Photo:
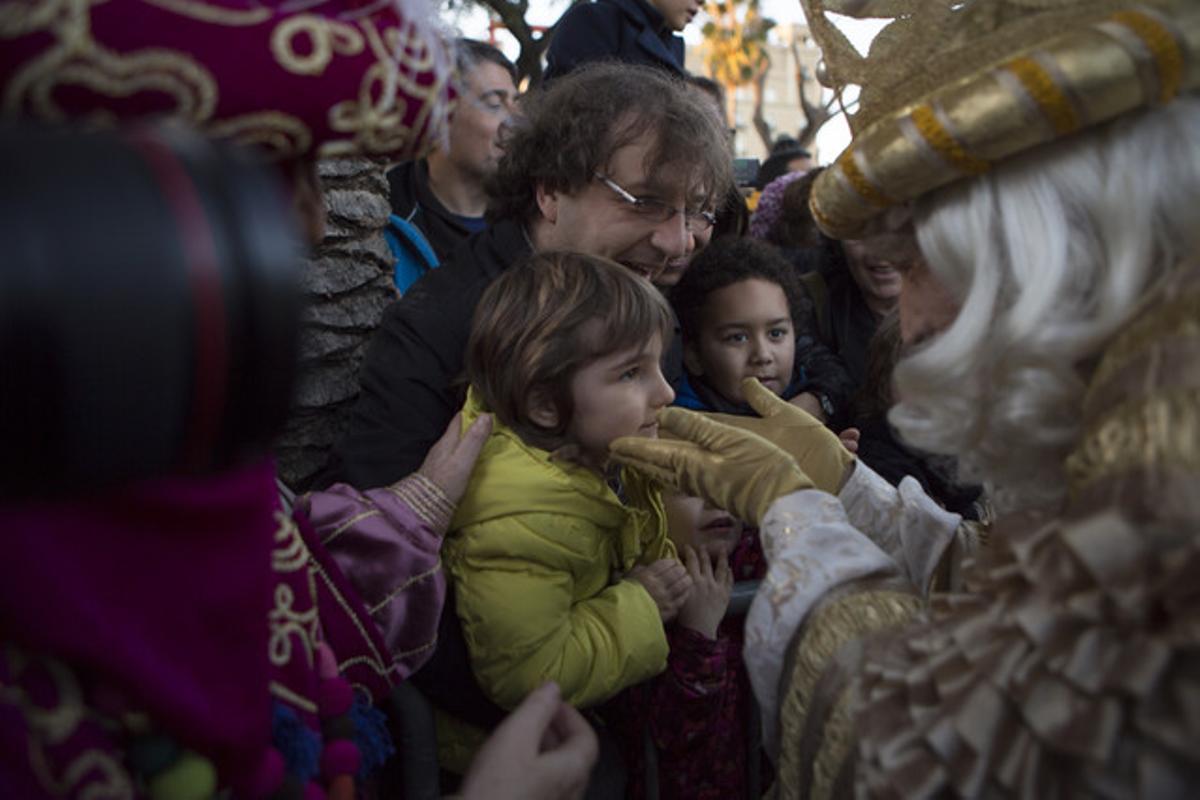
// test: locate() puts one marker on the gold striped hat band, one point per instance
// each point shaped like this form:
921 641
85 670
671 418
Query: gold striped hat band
1133 58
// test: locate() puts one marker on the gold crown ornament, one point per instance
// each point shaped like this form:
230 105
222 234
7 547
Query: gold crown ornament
951 87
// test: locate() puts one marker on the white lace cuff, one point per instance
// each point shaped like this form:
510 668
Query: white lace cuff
905 522
811 547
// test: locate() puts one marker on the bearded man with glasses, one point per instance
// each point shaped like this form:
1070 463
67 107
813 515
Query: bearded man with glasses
614 160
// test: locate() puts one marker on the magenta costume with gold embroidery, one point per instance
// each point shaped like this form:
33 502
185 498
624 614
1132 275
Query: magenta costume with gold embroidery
350 77
388 542
182 609
181 636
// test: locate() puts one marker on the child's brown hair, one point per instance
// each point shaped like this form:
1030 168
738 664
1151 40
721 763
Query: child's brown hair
542 321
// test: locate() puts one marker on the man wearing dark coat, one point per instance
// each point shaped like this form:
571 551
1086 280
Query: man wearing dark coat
643 200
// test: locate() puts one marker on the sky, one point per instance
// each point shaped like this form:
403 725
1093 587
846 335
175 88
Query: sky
833 136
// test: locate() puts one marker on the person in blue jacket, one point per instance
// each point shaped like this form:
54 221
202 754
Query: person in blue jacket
632 31
439 200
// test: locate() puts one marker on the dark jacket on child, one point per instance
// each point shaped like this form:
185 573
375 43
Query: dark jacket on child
631 31
697 713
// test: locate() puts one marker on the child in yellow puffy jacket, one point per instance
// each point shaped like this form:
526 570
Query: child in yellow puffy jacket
561 566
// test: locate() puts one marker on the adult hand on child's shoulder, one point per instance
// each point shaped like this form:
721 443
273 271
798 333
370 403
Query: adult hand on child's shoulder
451 459
544 750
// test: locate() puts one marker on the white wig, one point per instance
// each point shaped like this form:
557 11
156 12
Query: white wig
1049 255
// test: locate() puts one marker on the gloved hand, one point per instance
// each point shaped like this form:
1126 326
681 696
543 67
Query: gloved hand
817 450
731 468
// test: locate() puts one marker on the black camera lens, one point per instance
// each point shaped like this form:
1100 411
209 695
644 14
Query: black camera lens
148 307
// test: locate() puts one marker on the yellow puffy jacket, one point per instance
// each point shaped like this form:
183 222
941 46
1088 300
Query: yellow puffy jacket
536 551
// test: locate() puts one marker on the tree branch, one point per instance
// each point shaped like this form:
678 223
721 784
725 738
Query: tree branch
814 115
511 14
760 121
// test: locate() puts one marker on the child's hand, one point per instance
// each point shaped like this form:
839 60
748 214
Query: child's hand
849 439
667 582
710 593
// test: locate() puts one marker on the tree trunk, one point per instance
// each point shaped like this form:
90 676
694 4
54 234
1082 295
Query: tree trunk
529 60
348 284
760 121
730 90
815 114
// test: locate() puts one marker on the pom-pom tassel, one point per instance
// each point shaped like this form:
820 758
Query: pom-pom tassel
372 736
299 745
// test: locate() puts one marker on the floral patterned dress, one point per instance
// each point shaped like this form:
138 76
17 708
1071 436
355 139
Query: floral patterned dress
698 711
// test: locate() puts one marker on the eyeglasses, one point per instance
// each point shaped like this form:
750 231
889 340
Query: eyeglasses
659 212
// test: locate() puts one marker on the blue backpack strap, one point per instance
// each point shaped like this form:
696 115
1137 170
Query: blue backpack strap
413 254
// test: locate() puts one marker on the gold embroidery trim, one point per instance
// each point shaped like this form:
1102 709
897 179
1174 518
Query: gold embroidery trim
299 701
376 661
348 524
289 554
435 569
90 773
286 622
1053 102
419 649
404 62
858 180
1162 45
204 12
819 639
1162 430
836 739
1177 319
52 723
945 145
280 132
427 500
325 38
368 661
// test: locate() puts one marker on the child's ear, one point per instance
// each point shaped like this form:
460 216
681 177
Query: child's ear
691 360
547 203
541 409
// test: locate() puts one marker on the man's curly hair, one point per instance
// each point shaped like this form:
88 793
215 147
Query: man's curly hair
567 132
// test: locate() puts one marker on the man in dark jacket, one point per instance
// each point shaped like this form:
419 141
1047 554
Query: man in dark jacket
639 163
632 31
443 194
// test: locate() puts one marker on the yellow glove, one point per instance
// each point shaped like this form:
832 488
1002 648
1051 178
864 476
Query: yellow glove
816 449
729 467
